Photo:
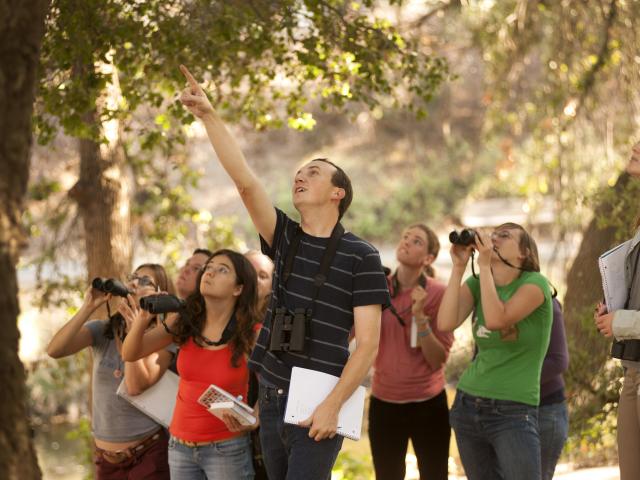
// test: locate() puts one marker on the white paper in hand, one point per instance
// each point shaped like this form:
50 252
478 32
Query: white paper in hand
220 402
308 388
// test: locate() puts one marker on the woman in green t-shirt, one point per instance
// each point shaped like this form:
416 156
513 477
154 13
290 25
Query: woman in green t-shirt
494 415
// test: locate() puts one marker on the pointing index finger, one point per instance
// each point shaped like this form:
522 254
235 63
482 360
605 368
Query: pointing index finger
187 74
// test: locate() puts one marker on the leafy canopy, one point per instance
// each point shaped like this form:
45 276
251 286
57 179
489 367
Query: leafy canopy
264 61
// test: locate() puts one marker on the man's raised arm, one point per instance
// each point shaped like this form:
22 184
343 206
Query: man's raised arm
253 194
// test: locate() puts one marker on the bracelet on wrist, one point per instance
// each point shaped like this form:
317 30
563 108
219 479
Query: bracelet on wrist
424 333
423 321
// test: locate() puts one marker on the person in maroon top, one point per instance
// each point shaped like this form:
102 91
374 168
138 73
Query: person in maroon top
408 400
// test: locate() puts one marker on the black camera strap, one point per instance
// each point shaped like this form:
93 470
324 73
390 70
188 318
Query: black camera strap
227 333
395 288
323 273
325 264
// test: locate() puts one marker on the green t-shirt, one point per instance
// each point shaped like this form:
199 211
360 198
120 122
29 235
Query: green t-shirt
508 363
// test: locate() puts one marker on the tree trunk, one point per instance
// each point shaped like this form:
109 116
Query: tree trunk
102 195
21 32
590 385
584 288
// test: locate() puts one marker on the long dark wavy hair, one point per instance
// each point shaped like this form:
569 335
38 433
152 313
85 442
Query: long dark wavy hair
116 325
193 318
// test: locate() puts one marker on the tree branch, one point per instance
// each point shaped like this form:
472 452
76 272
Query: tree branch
443 6
589 78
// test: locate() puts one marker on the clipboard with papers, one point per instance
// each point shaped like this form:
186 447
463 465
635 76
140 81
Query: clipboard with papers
612 271
308 388
158 401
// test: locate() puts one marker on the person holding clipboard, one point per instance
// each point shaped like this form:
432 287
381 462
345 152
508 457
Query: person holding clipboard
326 281
624 324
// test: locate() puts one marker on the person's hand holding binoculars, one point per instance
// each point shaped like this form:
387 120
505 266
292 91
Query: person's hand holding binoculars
460 254
484 245
94 298
132 312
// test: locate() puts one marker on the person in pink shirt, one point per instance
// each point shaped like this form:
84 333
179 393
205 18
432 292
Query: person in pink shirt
408 400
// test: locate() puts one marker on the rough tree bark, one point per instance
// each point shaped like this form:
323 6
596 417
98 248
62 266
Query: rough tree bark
102 195
21 32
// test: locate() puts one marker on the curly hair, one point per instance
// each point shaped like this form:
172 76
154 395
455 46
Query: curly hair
193 317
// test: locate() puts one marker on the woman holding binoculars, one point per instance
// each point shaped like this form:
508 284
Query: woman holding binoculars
216 330
494 415
128 444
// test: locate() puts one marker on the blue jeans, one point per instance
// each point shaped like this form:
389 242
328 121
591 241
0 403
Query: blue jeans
497 439
553 423
288 451
228 459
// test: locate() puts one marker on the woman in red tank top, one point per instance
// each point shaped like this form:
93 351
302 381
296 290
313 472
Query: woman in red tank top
216 331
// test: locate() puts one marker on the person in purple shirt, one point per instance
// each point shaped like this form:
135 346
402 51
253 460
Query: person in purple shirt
553 417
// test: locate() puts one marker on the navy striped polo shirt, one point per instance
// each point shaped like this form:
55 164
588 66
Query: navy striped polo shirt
355 279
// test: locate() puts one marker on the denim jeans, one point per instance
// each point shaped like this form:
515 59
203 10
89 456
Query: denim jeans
288 451
228 459
497 439
553 424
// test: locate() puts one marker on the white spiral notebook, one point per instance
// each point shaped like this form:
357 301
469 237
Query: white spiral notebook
308 388
612 265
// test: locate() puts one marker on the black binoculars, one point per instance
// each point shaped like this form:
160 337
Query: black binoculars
465 237
161 304
288 331
110 285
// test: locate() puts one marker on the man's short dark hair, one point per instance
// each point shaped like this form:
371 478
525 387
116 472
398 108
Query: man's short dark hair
340 179
202 251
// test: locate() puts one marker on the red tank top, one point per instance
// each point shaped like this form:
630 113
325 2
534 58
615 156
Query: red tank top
199 368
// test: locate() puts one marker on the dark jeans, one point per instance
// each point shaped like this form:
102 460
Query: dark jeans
553 422
426 423
151 464
497 439
288 451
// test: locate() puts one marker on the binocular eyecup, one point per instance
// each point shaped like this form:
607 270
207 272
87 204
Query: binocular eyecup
110 285
465 237
157 304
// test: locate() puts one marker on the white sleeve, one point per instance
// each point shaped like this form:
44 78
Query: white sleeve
626 324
